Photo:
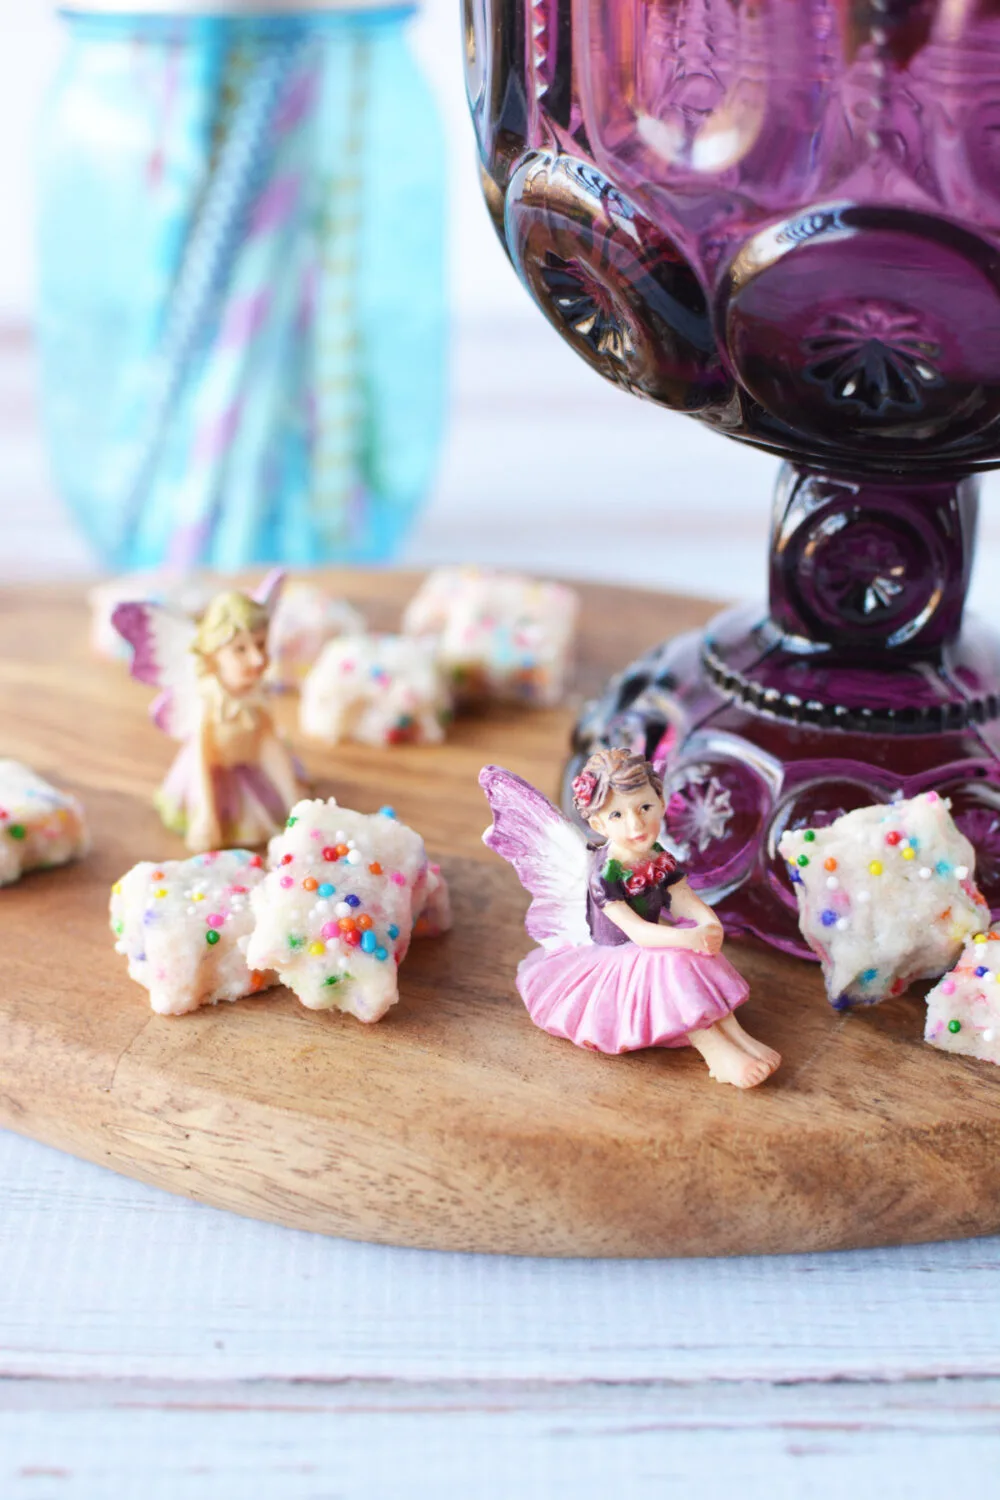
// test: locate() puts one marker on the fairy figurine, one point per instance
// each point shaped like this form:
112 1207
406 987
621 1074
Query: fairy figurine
629 955
233 781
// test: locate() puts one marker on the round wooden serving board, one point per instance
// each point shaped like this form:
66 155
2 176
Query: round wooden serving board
453 1123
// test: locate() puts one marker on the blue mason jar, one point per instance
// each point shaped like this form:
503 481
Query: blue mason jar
241 281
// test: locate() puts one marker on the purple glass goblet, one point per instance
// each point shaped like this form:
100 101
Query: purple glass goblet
782 217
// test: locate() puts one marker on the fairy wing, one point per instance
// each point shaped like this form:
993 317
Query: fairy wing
161 639
548 854
268 591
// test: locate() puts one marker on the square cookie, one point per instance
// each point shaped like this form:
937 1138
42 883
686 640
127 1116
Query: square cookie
377 689
183 925
963 1009
886 895
497 635
40 827
335 915
306 618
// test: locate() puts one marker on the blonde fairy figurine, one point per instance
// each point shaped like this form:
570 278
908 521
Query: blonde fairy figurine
233 780
629 954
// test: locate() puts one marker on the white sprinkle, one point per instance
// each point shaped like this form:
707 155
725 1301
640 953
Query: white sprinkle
351 844
832 883
354 858
340 837
988 1034
988 975
343 962
961 871
842 924
341 909
863 896
924 872
321 906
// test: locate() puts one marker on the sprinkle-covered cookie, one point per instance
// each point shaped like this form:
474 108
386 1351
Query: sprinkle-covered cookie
335 914
963 1010
886 895
306 617
40 827
379 689
497 635
183 925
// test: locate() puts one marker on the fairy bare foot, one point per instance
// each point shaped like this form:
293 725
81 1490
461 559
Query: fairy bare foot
731 1027
727 1061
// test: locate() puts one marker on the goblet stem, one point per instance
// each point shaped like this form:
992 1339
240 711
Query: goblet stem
867 568
859 681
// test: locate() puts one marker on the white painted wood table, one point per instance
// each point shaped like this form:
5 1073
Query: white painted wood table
150 1347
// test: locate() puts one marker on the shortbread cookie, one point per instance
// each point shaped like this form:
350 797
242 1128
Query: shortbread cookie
39 826
183 925
379 689
497 635
305 619
886 895
335 915
963 1010
188 593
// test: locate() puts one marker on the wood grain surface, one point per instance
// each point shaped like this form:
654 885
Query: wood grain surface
454 1123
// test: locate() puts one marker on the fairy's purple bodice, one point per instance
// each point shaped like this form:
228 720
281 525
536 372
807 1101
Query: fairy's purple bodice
645 888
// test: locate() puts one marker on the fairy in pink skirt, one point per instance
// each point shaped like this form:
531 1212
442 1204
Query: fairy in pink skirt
233 781
629 955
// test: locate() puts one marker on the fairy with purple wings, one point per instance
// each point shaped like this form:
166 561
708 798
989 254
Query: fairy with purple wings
629 955
233 780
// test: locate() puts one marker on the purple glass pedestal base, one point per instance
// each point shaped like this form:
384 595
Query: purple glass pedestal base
857 683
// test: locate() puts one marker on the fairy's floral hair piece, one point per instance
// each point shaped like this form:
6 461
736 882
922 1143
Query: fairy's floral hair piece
584 787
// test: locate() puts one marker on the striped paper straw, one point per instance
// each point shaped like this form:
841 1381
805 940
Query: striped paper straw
338 398
213 242
236 394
